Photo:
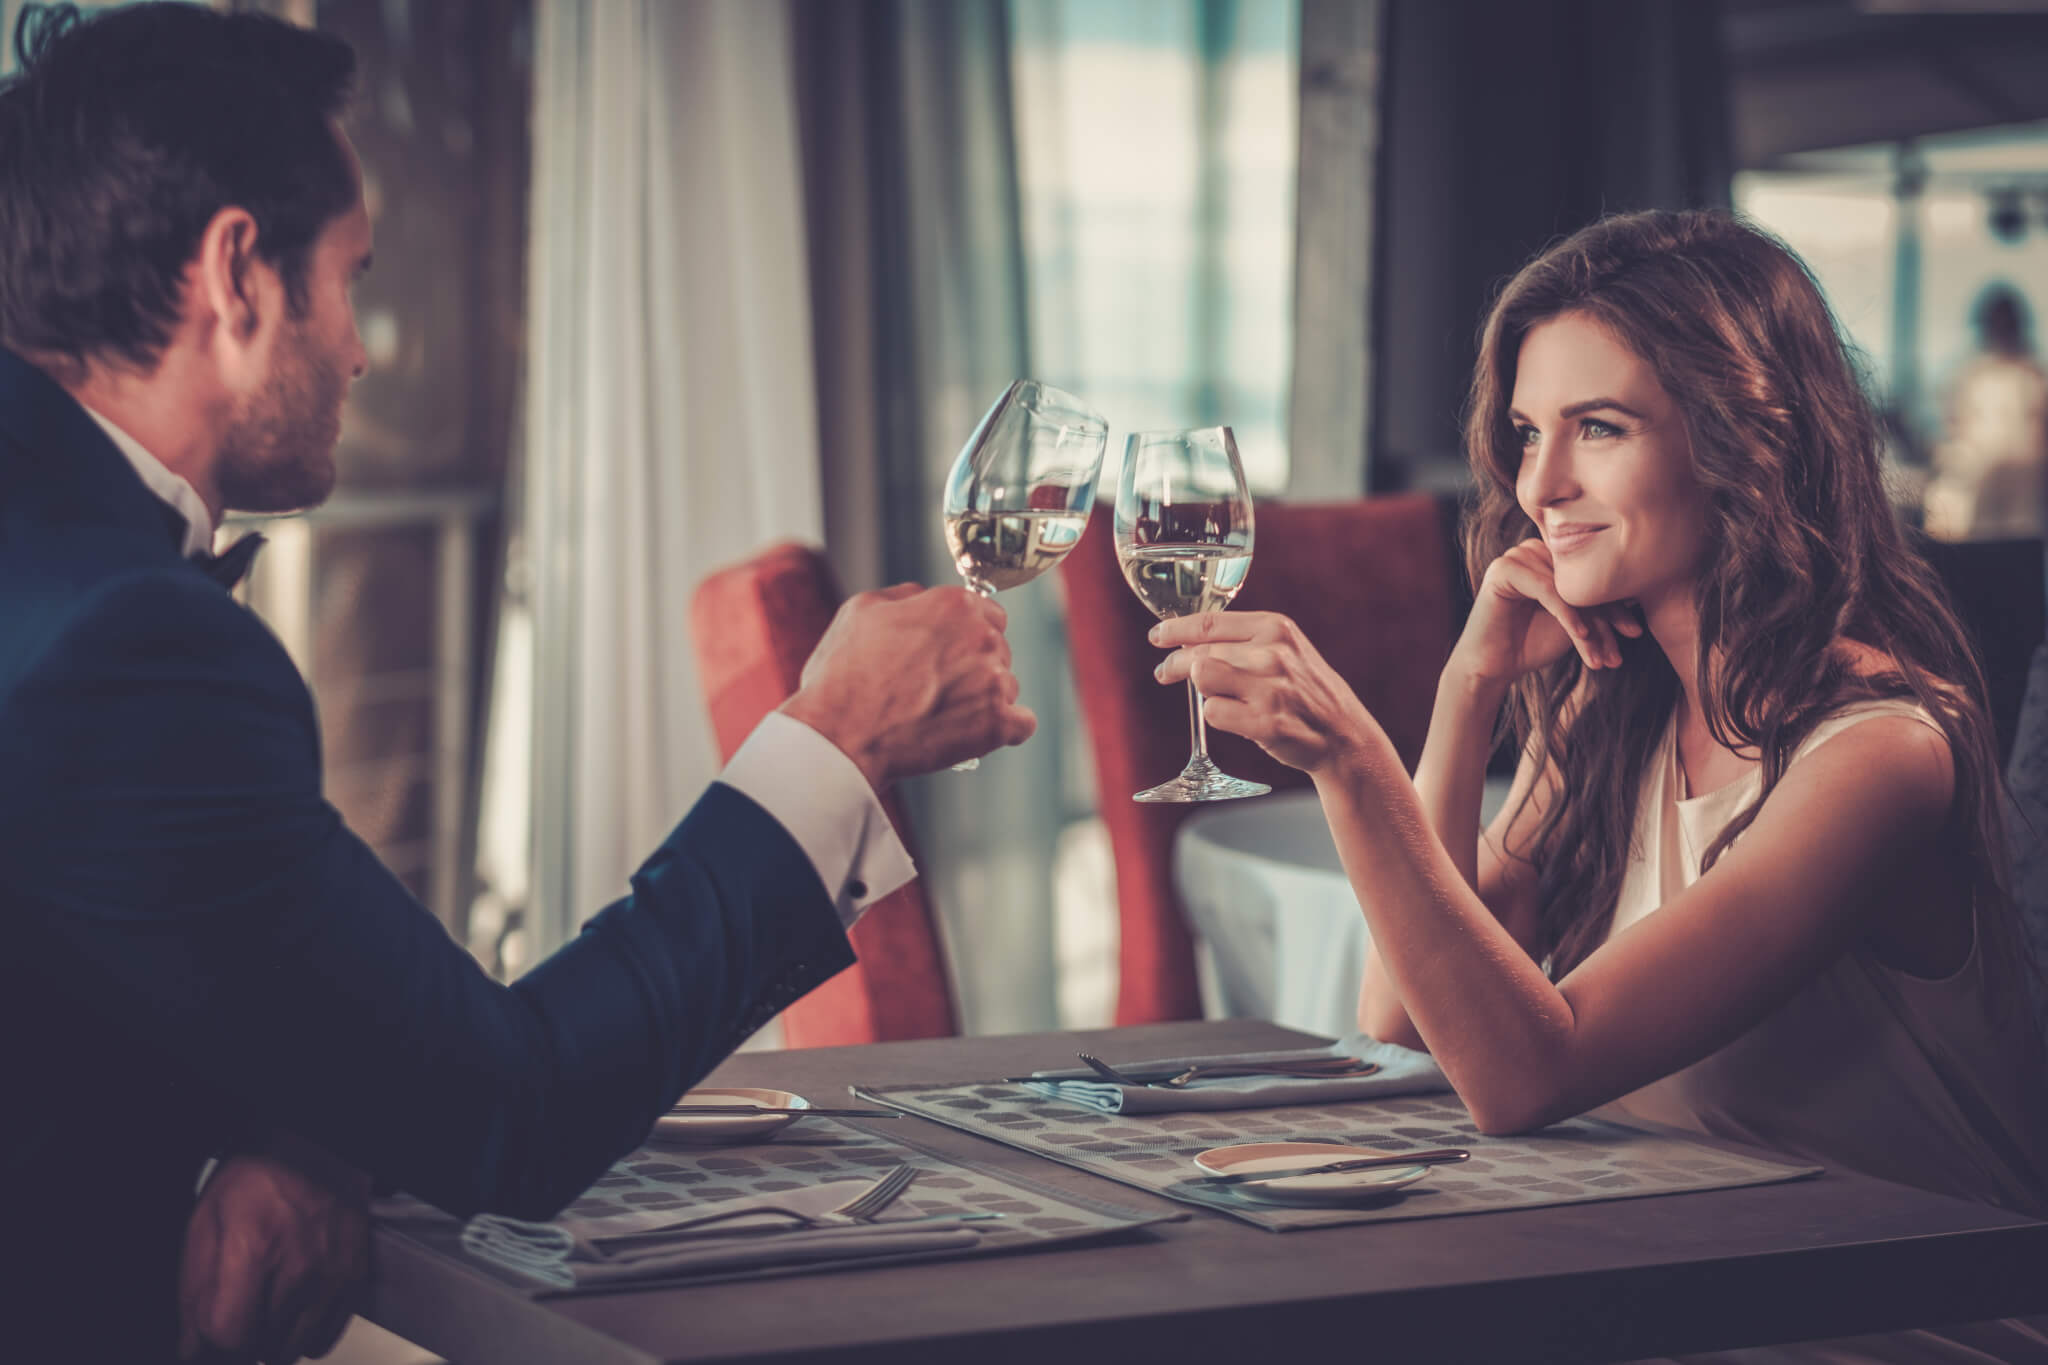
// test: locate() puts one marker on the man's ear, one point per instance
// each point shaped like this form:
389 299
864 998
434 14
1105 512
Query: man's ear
240 291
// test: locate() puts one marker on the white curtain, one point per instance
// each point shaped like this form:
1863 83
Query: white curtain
671 421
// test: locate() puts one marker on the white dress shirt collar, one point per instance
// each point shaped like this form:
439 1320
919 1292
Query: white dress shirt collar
157 477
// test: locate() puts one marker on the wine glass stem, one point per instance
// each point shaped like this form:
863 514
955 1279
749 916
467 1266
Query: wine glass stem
1198 729
979 589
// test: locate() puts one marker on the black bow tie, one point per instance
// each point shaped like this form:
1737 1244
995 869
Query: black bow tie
230 566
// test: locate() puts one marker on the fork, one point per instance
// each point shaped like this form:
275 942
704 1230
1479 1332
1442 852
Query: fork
1334 1068
862 1208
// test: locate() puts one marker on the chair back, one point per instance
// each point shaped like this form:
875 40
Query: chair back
754 624
1375 585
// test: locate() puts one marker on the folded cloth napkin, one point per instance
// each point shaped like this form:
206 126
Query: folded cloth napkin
1402 1071
574 1252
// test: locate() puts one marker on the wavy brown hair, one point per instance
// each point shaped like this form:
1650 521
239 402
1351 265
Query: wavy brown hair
1804 551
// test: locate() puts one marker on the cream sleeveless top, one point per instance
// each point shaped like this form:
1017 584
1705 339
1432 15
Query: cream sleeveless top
1866 1068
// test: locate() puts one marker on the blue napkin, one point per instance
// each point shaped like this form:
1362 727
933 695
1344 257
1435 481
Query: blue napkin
1402 1072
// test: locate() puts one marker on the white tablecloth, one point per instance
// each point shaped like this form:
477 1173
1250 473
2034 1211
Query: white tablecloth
1280 931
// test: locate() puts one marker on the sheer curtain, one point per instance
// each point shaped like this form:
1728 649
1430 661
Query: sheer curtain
670 418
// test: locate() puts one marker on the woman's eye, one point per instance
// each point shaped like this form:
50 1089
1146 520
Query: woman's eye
1527 436
1595 429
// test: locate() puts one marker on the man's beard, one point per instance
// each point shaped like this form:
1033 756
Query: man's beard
278 454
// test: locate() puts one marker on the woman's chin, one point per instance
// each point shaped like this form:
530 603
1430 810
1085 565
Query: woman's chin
1583 590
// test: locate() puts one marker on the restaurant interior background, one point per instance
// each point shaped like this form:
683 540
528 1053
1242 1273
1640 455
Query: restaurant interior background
659 282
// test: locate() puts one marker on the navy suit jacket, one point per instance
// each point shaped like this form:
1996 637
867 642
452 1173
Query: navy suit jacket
194 948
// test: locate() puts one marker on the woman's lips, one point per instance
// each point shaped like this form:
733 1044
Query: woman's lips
1562 540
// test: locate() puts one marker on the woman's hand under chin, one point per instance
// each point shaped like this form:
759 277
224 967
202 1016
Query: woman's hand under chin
1519 624
1260 677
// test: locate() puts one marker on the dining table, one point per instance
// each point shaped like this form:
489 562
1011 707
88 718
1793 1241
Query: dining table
1827 1254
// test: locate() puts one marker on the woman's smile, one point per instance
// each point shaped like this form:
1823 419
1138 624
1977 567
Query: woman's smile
1564 538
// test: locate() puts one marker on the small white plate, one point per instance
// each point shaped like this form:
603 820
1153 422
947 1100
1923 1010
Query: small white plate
712 1130
1339 1187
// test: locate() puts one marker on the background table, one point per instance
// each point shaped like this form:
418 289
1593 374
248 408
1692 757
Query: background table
1280 932
1828 1256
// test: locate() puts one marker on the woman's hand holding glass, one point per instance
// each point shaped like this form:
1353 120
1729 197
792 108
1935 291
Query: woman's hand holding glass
1519 624
1260 677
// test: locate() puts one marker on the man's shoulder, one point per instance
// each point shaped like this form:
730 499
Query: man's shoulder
97 594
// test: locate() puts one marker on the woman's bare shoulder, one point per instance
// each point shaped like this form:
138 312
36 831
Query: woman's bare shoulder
1869 664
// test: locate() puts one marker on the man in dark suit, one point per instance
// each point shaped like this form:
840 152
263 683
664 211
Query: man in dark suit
201 960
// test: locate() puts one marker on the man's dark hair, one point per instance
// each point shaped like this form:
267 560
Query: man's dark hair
124 133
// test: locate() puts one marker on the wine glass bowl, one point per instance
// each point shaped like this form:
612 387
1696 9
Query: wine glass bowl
1184 543
1018 496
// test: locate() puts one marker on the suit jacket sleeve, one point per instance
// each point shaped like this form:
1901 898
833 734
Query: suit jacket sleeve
173 857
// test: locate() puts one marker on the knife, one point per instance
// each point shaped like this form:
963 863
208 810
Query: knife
1217 1070
638 1245
1435 1156
752 1111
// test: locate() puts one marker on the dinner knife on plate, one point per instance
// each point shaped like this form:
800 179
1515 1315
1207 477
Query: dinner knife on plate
1435 1156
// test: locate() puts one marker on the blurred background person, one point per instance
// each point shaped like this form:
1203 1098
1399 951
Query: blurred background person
1988 465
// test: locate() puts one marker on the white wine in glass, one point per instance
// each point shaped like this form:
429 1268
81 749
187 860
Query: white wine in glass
1184 580
1018 496
998 550
1184 541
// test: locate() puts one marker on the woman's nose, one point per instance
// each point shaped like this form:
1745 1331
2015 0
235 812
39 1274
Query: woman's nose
1547 478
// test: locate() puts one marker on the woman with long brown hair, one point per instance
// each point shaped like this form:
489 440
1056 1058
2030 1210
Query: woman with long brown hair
1751 877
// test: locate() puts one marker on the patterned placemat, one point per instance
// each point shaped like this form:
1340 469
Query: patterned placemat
813 1152
1578 1161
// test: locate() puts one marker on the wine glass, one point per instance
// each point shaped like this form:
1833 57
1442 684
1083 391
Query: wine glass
1019 494
1184 540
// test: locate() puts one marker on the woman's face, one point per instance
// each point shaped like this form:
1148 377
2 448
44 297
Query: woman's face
1606 471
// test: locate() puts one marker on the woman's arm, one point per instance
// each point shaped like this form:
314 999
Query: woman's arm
1517 624
1449 782
1794 893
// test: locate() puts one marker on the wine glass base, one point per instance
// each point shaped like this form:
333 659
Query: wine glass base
1201 780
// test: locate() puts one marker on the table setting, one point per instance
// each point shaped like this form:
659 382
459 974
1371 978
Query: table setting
750 1182
1377 1137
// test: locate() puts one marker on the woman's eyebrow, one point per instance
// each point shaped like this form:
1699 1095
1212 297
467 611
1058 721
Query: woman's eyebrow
1595 404
1581 409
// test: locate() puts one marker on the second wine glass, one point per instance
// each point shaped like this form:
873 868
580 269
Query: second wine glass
1184 541
1019 494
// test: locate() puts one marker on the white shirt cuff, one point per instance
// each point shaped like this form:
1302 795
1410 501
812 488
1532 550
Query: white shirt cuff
818 795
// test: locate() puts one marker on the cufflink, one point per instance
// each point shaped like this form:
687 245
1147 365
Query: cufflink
856 889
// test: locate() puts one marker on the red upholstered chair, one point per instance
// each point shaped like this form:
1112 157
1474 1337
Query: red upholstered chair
754 624
1376 585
